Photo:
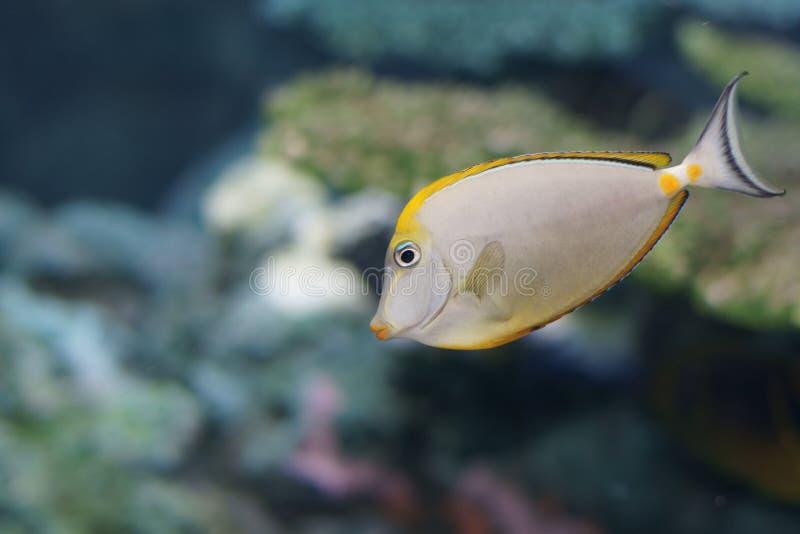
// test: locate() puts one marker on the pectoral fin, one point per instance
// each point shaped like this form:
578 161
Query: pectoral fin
486 274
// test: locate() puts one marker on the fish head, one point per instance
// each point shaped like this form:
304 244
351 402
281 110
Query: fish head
416 286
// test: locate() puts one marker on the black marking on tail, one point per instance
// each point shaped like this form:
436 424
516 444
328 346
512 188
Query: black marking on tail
727 148
723 107
722 100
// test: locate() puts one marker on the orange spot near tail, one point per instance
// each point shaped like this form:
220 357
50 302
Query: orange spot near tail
694 171
668 183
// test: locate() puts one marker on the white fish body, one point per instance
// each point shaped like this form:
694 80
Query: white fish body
506 247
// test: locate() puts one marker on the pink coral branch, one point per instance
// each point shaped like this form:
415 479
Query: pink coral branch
510 510
320 463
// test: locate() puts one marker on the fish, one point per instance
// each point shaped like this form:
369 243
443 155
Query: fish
485 256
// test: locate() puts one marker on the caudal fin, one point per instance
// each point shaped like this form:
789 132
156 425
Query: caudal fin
716 160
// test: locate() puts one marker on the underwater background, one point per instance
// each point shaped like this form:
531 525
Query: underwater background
158 157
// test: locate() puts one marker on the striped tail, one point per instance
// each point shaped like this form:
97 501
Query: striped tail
716 160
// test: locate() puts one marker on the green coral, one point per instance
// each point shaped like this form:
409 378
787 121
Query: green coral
718 55
84 446
775 13
355 131
53 484
738 255
473 34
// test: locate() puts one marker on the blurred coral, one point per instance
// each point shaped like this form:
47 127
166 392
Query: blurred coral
776 13
354 131
774 63
444 33
737 257
509 510
320 462
255 197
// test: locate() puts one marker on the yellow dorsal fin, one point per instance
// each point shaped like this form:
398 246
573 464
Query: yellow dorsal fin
405 223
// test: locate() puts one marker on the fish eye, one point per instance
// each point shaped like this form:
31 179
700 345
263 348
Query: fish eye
406 254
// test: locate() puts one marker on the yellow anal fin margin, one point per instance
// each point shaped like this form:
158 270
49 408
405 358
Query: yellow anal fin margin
672 212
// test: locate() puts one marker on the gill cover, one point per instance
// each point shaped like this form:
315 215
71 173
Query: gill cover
412 297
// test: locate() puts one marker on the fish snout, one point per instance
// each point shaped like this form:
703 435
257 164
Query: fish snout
382 331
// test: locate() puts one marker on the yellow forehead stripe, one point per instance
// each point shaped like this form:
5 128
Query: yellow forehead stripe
694 171
407 222
668 183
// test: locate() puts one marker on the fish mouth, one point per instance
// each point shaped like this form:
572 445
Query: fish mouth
384 328
382 332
